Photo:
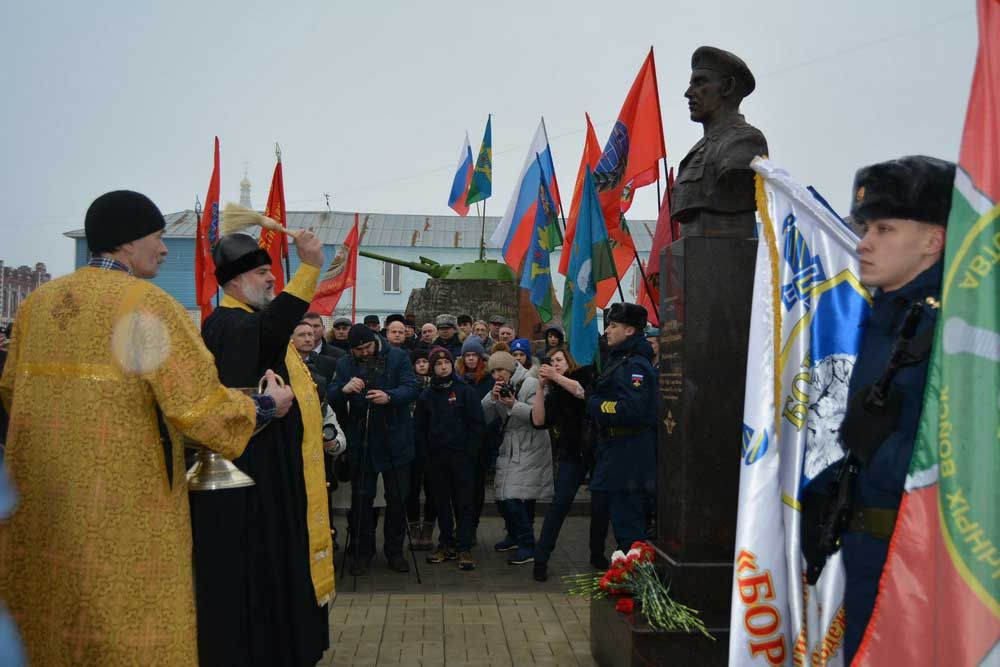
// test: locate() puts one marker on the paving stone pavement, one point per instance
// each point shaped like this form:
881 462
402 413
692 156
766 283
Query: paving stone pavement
495 615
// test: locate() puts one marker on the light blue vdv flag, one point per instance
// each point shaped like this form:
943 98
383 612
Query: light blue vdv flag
808 303
545 237
590 262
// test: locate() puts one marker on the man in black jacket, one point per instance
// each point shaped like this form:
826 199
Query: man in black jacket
449 425
371 393
338 333
447 334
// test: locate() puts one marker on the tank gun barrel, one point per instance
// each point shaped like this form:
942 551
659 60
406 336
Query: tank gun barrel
428 266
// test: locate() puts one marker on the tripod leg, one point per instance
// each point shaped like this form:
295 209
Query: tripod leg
356 517
347 546
406 525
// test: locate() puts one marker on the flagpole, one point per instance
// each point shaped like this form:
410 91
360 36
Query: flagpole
645 283
659 198
284 241
618 280
482 233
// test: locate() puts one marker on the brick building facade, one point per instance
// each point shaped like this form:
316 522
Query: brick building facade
15 286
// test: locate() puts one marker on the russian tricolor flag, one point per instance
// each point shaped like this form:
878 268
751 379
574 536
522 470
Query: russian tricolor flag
513 234
463 177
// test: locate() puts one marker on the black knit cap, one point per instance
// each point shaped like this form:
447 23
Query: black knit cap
915 187
235 254
418 353
438 352
360 334
120 217
725 63
630 314
395 317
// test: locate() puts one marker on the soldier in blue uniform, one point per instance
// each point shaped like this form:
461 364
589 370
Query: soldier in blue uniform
623 408
903 206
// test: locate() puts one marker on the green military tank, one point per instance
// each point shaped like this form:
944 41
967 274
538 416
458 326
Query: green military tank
482 289
481 269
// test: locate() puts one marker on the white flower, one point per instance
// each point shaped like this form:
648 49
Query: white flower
633 552
617 556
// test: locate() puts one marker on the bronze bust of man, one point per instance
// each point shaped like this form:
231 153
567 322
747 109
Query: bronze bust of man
714 191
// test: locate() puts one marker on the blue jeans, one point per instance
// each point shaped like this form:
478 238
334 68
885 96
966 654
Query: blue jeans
519 518
397 483
625 509
569 475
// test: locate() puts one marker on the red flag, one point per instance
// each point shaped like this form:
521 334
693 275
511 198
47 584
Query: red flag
343 273
591 154
205 285
270 240
663 236
630 160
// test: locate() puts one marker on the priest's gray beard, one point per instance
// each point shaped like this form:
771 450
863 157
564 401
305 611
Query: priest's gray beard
257 297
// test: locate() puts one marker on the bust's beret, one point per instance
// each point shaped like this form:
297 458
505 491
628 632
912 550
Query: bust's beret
726 63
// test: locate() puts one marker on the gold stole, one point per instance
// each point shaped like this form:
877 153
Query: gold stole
314 476
302 285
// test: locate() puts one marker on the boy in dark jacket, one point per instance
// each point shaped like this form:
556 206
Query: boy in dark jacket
448 423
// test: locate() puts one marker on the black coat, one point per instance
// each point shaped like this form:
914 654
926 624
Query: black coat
331 351
453 345
322 368
390 426
880 484
566 418
625 396
448 417
251 549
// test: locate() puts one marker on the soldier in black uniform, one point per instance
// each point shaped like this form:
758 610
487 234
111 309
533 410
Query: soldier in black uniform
714 192
623 408
903 206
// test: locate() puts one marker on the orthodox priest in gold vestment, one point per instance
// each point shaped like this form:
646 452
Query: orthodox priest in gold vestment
104 375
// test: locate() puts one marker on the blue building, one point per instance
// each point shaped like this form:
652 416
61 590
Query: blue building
382 288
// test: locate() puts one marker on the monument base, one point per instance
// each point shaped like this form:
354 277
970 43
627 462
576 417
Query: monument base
626 640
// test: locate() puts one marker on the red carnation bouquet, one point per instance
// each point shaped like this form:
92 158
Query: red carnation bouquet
633 579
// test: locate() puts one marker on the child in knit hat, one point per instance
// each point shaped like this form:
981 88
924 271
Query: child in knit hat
449 425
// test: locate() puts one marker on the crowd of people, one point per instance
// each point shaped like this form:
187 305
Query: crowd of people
433 412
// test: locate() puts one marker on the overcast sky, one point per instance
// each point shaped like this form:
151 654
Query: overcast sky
370 101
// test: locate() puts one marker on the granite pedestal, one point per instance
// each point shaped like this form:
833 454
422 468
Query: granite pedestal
706 287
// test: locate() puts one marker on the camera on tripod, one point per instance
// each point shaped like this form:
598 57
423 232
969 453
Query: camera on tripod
369 370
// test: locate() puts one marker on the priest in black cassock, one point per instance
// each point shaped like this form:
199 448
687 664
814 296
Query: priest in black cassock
263 557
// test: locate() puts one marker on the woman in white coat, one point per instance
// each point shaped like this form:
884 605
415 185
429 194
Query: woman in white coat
524 463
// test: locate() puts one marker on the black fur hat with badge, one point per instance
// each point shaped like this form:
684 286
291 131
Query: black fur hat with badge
915 187
629 314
